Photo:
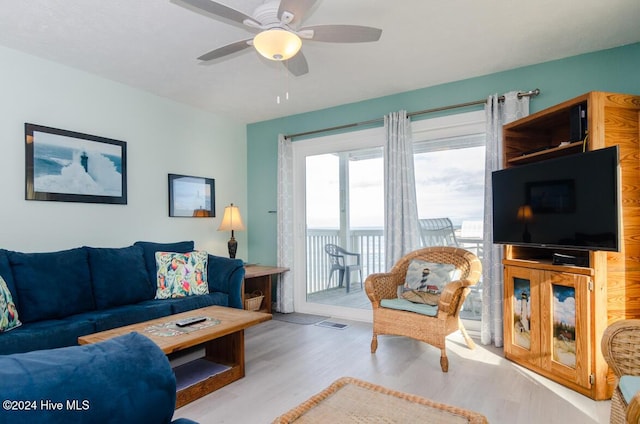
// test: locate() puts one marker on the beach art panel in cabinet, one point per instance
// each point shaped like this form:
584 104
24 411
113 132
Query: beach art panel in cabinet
564 325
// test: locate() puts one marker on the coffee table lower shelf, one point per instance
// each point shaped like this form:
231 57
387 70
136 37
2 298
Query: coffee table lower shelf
222 364
200 377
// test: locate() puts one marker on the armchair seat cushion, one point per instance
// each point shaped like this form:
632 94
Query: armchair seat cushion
405 305
629 386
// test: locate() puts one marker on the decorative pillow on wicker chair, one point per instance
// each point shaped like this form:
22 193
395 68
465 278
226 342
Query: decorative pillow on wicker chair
8 312
181 274
425 280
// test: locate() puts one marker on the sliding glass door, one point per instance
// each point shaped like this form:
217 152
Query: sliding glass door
342 221
339 207
450 189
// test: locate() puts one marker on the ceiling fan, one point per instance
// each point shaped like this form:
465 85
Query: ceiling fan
279 34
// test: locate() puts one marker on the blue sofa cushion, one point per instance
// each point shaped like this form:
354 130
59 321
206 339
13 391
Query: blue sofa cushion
52 285
226 275
7 274
150 249
46 334
128 314
189 303
119 276
126 379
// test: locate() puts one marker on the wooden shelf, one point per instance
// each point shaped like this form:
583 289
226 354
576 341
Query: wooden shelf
551 152
548 266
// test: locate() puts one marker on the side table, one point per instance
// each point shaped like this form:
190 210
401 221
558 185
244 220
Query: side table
258 278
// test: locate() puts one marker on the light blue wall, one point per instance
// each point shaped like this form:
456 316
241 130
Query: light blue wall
162 137
615 70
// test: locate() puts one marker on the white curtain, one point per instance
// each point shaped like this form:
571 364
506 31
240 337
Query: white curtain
284 301
497 114
401 210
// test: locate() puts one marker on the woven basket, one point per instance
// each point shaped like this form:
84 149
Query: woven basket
252 301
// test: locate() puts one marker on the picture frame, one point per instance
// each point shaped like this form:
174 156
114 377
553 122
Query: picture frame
191 197
558 196
68 166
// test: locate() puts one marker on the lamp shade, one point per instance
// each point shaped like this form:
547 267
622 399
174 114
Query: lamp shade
277 44
525 213
231 221
201 213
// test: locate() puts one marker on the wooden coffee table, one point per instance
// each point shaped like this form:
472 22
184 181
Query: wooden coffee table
221 336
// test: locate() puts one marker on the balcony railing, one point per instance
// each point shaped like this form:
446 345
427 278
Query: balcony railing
369 243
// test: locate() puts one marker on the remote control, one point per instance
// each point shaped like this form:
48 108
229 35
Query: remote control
190 321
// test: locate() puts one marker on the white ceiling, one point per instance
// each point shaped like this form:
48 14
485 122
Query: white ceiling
153 45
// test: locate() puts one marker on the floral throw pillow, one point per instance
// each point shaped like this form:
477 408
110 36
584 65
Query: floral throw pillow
181 274
425 280
8 312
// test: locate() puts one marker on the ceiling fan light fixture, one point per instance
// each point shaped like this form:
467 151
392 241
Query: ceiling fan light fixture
277 44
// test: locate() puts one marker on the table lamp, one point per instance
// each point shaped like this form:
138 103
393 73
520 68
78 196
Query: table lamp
231 221
525 213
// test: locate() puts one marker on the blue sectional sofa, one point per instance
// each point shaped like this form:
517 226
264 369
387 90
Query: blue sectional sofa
126 379
62 295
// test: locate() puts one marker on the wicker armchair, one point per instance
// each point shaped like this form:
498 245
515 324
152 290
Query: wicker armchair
621 349
429 329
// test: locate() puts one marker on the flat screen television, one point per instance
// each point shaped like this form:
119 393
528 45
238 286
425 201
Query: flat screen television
571 202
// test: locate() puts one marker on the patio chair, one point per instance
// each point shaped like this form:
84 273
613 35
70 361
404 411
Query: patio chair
471 237
339 262
621 349
431 324
437 232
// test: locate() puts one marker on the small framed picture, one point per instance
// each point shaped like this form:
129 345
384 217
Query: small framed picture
192 197
68 166
558 196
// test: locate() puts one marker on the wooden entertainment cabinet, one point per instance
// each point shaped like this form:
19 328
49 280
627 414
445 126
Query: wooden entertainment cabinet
607 288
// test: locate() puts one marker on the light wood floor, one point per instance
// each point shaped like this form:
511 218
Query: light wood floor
287 363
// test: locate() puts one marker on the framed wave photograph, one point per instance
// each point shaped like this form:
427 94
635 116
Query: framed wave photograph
192 197
68 166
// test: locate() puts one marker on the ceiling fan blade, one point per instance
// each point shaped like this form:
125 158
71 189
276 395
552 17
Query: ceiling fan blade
343 33
219 10
297 65
226 50
297 8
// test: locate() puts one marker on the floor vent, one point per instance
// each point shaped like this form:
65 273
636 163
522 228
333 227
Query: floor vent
331 324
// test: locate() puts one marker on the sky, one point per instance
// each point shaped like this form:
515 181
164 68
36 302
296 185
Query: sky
449 183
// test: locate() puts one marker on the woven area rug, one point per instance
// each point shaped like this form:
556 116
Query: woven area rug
298 318
349 400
